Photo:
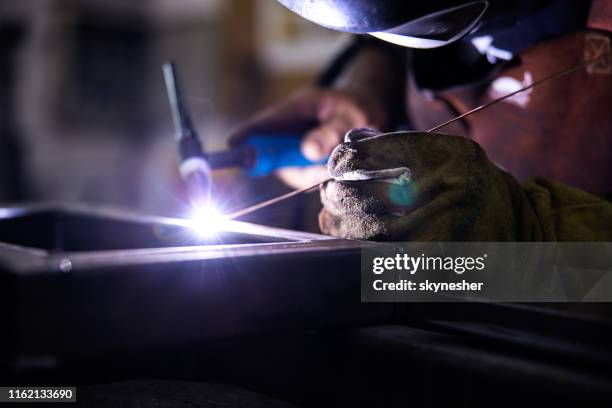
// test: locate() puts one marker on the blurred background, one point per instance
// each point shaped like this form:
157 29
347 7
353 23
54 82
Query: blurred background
84 115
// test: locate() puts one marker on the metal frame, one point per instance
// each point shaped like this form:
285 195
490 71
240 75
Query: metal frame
174 295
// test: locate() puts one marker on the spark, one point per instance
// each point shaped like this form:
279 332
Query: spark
207 220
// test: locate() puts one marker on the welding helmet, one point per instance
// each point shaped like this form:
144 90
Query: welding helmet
412 23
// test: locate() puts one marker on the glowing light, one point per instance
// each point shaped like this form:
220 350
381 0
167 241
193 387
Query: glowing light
207 220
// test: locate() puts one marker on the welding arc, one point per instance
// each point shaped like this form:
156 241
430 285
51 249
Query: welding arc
283 197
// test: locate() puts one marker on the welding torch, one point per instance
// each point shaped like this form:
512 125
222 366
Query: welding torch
260 155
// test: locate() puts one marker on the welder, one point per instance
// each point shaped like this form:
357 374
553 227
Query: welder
425 62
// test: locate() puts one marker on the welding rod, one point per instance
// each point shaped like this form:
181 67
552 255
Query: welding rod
283 197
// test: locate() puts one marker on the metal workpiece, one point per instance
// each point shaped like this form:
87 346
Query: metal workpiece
111 278
110 289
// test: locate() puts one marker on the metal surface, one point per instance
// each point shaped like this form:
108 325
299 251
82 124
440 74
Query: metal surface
88 290
80 272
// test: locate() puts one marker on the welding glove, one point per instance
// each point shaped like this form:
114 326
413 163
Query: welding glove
412 186
323 116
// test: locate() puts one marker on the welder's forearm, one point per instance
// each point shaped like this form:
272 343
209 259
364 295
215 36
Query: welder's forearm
376 77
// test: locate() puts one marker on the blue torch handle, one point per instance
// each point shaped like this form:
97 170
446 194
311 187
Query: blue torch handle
273 152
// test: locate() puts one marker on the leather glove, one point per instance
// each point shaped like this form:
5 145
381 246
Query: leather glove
412 186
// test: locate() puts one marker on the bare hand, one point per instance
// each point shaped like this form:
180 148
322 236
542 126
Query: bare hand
324 115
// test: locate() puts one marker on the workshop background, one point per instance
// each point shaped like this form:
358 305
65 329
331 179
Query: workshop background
85 117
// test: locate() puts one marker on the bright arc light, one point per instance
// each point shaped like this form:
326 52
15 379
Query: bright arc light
207 220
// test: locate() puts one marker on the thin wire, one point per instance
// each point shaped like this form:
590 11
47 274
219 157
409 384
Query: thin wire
271 201
283 197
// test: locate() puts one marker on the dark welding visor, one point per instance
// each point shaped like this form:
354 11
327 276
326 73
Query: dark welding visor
410 23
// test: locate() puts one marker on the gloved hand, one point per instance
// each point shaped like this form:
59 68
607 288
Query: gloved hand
411 186
324 116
